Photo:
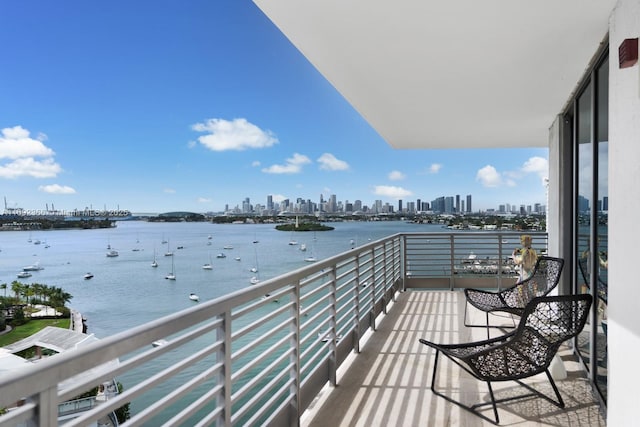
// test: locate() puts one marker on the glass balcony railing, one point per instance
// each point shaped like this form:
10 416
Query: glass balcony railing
261 355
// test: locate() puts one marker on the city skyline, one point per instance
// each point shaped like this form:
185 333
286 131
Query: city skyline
208 103
442 204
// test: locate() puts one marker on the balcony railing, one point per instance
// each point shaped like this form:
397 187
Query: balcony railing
261 355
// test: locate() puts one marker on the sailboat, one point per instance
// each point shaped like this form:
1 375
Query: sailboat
208 265
255 279
168 253
311 257
172 275
154 263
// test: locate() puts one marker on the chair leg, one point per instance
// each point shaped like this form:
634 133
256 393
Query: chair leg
469 325
493 401
433 376
471 409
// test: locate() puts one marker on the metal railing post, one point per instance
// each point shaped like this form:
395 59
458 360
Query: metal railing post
333 359
295 359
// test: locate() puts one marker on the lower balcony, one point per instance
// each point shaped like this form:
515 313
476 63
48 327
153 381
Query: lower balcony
333 343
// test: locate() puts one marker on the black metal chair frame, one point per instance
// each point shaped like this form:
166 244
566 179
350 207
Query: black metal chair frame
513 300
602 285
545 324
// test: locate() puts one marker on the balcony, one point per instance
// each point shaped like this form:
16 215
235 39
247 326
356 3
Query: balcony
272 353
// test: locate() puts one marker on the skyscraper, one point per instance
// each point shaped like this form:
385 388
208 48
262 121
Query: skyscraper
469 203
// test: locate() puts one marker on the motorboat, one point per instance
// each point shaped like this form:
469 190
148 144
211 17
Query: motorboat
228 247
254 280
194 297
221 255
88 276
24 274
33 267
303 247
112 253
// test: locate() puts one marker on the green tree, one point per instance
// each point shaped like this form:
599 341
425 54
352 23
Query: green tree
18 289
4 286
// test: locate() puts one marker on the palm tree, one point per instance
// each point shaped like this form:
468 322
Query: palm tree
18 289
4 286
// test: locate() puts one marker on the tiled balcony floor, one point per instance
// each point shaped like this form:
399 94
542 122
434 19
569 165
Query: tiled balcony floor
388 384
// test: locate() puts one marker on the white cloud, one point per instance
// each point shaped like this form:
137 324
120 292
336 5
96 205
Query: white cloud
278 198
391 191
28 166
489 177
57 189
237 134
169 190
21 151
329 162
203 200
255 163
396 176
537 165
435 168
293 165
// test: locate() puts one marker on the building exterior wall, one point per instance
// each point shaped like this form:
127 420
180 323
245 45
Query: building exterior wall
624 226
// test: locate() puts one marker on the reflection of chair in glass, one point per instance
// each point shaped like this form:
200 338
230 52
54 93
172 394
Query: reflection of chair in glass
545 324
513 300
603 288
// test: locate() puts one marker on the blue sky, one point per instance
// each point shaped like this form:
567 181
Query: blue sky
155 106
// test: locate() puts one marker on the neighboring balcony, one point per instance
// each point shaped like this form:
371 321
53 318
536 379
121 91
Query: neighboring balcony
271 354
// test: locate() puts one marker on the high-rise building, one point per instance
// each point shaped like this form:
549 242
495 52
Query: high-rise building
400 205
448 204
458 203
469 203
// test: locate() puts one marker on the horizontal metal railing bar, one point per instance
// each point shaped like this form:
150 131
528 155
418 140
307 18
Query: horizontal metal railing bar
258 322
311 341
262 411
210 418
274 330
253 382
18 415
311 293
312 358
265 391
172 397
258 302
240 332
197 405
313 320
346 273
350 283
319 302
150 382
137 360
241 372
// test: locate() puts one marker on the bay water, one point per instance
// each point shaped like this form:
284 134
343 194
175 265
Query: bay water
126 291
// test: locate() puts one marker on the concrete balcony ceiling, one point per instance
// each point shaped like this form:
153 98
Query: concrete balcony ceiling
449 74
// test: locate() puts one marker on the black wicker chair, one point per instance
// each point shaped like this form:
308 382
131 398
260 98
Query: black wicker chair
545 324
513 300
